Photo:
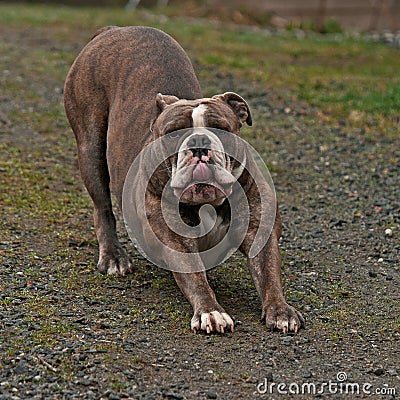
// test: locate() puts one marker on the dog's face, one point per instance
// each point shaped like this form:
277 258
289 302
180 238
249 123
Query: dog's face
207 160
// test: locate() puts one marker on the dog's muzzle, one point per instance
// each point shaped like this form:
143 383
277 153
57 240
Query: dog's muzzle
202 174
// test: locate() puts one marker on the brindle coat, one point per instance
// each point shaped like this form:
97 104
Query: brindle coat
112 103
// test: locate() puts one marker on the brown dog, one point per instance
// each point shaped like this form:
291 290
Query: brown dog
115 107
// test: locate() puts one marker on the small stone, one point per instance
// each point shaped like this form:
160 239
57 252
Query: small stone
90 394
86 382
287 339
379 372
211 394
307 374
173 395
388 232
372 274
389 277
380 260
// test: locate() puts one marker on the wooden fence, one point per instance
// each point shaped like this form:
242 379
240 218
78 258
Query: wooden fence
359 15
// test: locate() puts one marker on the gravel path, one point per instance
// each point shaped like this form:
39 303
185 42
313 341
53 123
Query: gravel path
69 333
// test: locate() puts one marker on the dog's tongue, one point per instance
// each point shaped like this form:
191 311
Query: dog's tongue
202 172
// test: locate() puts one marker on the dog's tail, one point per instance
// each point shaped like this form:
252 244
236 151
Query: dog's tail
103 29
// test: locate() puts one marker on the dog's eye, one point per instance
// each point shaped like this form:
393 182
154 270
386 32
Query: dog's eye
177 134
220 132
173 135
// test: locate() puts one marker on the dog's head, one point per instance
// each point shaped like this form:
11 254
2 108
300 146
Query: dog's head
207 160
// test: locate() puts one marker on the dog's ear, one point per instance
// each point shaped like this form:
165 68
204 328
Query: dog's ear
238 105
163 101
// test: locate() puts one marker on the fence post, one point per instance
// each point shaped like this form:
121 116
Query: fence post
321 15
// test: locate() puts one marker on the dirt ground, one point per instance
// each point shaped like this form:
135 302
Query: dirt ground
70 333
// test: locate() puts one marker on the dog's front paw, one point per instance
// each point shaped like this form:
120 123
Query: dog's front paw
115 262
212 322
283 317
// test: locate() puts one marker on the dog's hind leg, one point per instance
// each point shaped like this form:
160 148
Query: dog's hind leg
113 259
88 120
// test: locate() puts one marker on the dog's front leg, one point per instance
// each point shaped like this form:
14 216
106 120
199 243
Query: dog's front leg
265 269
182 256
208 316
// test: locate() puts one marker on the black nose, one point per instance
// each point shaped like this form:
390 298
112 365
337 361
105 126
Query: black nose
199 145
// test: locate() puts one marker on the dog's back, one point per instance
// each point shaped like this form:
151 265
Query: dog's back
111 89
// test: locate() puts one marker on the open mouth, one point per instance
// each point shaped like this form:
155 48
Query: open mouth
205 183
201 193
201 175
202 187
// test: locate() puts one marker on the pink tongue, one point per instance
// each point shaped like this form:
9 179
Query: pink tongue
202 172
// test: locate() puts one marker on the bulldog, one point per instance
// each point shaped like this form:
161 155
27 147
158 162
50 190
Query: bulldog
130 86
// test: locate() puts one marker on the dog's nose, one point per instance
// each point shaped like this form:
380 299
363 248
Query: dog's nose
199 145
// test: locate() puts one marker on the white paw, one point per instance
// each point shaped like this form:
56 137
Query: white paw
118 264
212 322
283 317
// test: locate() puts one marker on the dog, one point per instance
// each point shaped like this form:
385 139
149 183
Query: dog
128 87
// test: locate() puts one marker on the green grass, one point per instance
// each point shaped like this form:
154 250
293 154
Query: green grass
32 190
334 76
384 100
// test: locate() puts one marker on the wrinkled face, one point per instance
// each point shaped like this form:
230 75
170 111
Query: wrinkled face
203 172
202 169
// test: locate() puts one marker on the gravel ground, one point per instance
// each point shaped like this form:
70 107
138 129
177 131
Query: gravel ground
69 333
